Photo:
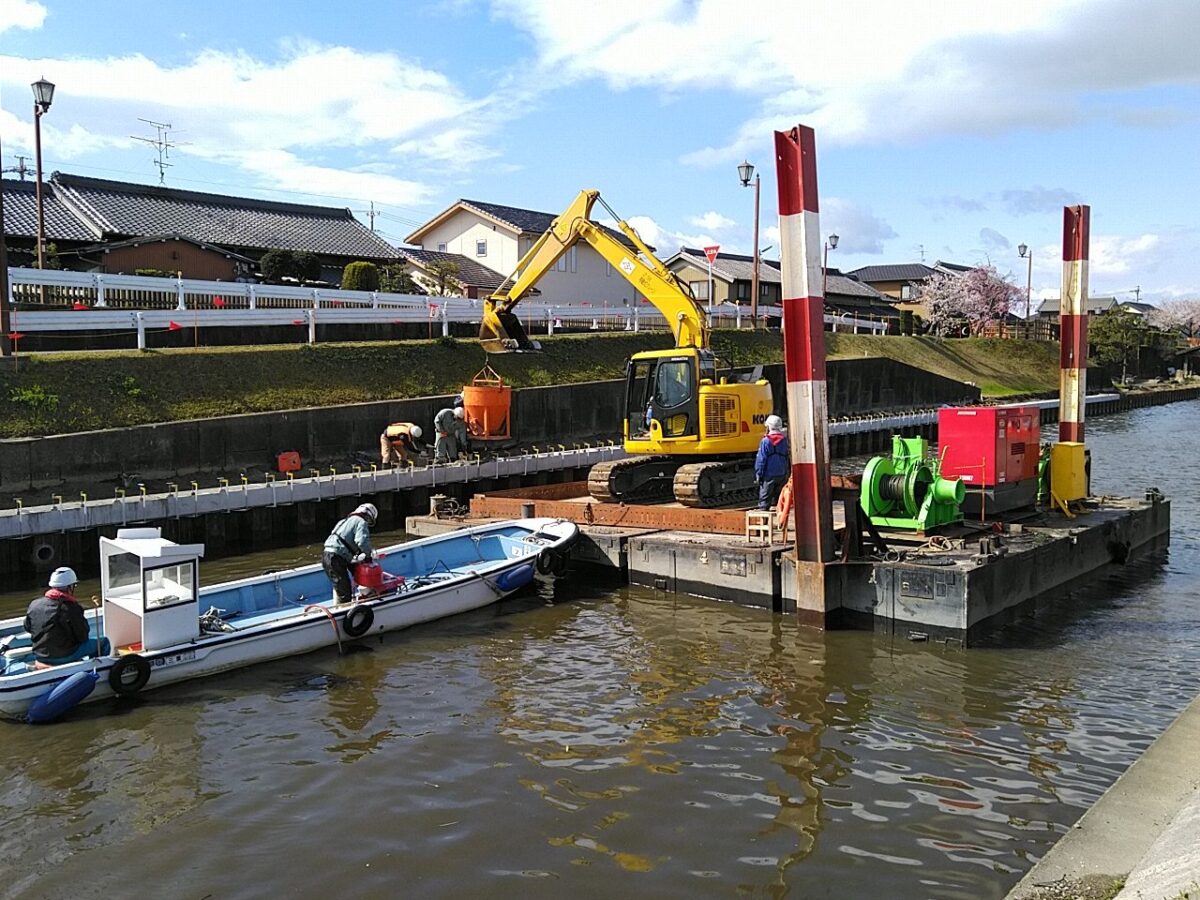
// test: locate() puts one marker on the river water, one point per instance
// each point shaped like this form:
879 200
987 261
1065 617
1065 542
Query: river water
600 741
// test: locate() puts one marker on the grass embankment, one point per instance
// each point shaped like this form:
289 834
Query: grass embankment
998 368
68 392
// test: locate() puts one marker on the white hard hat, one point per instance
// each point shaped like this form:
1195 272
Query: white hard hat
459 412
63 577
774 423
367 511
415 431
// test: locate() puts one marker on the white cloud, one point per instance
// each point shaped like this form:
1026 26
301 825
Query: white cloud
858 229
21 14
275 118
665 241
1117 255
945 67
712 221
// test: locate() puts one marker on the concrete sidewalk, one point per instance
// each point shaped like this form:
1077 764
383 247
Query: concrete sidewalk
1144 830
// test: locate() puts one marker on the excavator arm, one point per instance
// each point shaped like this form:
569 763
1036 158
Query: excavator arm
501 329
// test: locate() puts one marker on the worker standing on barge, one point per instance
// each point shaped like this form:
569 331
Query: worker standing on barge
350 539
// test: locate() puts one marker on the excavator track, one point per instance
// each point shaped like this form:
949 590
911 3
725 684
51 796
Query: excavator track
636 479
713 483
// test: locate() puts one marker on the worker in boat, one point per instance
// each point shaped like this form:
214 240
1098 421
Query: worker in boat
398 442
350 541
57 625
451 431
773 464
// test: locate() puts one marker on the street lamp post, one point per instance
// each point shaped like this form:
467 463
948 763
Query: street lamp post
830 244
1024 249
745 173
43 95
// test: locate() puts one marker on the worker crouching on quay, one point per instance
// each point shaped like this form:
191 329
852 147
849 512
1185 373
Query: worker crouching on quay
399 442
350 541
451 434
773 464
57 624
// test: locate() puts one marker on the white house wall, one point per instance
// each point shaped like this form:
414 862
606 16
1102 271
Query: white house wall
586 278
460 233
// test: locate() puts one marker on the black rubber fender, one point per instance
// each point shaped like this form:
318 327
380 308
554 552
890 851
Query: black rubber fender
560 563
545 562
129 674
358 620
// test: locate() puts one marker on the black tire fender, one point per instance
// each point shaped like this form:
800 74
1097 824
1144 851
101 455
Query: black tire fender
129 674
358 620
560 563
545 562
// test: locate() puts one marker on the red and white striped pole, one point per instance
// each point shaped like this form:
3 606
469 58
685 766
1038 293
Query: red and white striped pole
804 361
1072 321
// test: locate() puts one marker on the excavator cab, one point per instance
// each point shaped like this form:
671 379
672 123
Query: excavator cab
661 397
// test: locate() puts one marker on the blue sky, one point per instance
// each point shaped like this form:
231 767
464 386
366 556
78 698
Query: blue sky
945 130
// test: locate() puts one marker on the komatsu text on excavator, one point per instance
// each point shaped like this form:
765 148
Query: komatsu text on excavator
691 427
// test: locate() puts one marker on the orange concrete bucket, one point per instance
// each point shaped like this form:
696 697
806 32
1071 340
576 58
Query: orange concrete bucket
487 402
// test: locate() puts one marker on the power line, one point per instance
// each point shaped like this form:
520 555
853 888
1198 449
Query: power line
231 187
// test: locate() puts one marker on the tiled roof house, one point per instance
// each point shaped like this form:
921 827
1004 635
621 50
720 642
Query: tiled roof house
495 236
92 214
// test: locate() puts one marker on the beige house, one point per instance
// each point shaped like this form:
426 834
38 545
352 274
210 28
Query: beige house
733 276
498 236
903 281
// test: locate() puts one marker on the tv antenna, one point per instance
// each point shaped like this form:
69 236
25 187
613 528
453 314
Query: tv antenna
162 143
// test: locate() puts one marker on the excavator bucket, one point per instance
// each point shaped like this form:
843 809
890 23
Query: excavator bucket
502 332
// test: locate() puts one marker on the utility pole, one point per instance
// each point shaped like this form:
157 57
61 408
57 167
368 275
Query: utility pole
20 168
5 322
372 214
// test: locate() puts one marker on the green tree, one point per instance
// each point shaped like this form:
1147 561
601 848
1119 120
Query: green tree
442 277
275 265
306 266
1116 338
395 278
360 276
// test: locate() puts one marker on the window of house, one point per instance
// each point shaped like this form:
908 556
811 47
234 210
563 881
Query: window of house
441 246
906 292
763 291
573 253
481 248
561 265
743 290
699 289
608 269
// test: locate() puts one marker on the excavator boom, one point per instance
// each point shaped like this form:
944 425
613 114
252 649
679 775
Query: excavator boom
501 330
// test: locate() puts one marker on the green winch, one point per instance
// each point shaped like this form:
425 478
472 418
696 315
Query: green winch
907 490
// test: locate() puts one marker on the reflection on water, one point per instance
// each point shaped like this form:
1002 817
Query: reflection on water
613 740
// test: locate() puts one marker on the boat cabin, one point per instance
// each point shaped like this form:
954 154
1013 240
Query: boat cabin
150 589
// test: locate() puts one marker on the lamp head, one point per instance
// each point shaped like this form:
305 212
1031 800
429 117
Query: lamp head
1022 249
833 239
43 93
745 173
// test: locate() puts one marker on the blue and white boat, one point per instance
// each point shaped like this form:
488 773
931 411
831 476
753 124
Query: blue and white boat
164 628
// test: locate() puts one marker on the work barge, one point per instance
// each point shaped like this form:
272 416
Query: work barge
954 586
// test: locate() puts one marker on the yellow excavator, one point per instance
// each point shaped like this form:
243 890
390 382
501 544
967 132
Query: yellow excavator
690 426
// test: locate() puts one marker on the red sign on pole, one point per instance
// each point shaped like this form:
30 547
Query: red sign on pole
711 253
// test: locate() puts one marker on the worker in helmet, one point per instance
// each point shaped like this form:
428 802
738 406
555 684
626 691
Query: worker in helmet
450 433
773 464
350 541
57 625
398 442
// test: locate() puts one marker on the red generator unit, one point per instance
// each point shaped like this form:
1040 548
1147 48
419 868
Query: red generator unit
995 451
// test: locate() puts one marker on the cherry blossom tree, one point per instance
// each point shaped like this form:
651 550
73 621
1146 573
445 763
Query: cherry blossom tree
1178 315
964 304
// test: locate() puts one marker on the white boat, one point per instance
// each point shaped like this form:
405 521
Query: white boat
164 628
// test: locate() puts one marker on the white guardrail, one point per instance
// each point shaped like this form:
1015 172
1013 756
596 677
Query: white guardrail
93 301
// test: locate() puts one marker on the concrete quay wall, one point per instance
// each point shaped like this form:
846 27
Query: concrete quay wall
558 414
